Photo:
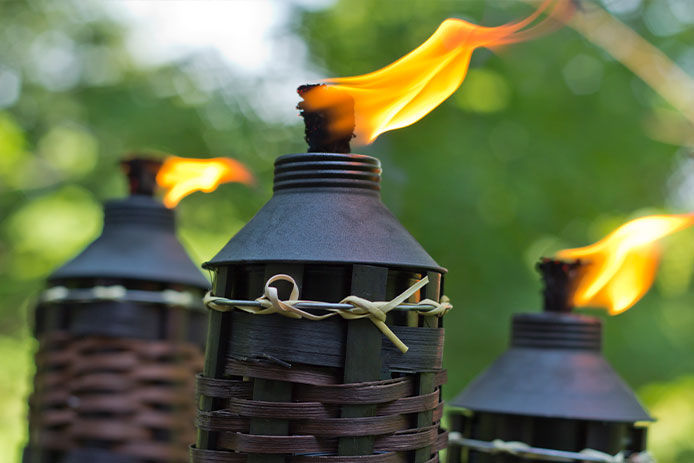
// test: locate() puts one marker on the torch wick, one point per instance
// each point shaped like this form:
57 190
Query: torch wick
142 175
558 277
328 118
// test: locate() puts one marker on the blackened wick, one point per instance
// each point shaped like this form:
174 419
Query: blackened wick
320 133
558 277
142 174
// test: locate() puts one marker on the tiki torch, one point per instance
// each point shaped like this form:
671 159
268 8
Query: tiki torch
121 331
324 342
552 396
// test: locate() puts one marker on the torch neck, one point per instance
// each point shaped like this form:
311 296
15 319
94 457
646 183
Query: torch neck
138 210
553 330
327 170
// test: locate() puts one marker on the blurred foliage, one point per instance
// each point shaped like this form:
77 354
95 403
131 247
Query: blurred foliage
670 438
547 144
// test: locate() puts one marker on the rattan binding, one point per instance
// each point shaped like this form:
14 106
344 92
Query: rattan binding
314 415
125 395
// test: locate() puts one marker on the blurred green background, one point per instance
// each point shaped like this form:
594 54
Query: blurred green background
547 144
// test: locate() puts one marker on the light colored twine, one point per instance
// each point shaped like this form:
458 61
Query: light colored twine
376 311
58 294
523 450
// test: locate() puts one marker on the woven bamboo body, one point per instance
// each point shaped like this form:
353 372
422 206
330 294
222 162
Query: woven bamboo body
131 397
282 392
114 381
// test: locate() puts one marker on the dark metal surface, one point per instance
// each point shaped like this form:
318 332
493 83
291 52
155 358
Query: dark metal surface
138 242
550 330
554 369
326 209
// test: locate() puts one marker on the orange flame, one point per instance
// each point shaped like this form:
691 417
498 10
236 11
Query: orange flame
183 176
407 90
620 268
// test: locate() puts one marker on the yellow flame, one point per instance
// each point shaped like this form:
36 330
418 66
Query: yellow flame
183 176
407 90
620 268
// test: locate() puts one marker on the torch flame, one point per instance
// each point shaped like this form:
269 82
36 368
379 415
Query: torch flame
619 269
183 176
407 90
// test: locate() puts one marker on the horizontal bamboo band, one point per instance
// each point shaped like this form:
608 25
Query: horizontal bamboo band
398 442
223 388
319 385
372 392
311 410
226 420
123 393
301 374
221 456
323 344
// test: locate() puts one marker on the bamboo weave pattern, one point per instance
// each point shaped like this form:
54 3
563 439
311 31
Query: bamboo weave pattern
125 395
314 416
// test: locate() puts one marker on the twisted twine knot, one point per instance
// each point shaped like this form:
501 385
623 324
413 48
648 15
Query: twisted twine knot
376 311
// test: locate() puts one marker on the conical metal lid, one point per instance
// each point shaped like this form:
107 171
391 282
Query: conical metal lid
554 369
326 209
138 241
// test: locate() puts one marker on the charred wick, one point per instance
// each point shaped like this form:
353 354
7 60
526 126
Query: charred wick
558 277
318 133
142 174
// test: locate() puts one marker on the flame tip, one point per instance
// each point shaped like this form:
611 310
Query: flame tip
619 269
406 90
182 176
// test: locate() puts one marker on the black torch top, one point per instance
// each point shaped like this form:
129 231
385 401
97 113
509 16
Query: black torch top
138 241
326 206
554 367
